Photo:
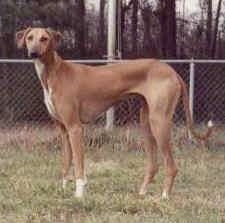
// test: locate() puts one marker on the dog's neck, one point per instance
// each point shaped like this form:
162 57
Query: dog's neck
45 66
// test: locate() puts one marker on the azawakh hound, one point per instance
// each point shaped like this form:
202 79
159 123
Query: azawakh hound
75 94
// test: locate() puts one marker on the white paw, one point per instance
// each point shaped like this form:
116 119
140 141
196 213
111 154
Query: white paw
85 180
210 124
79 194
80 183
142 192
64 182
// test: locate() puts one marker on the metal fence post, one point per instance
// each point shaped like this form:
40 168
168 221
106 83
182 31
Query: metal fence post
111 47
191 89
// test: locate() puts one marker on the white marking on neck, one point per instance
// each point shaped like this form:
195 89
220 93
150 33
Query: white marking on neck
40 67
49 103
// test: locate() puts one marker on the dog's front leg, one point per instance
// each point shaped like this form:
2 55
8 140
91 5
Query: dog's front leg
76 140
66 155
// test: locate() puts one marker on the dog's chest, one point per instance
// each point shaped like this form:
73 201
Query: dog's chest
48 94
49 102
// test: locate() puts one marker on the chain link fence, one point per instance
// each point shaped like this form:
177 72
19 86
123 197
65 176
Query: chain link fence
21 96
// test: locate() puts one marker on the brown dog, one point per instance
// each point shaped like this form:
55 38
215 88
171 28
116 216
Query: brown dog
75 94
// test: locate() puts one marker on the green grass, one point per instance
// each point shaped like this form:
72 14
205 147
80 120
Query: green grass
30 186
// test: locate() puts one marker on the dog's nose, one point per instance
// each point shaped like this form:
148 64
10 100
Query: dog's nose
34 55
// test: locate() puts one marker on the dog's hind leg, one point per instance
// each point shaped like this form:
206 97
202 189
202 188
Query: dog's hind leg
161 130
150 148
161 125
75 132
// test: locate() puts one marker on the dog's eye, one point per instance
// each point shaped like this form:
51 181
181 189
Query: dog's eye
30 38
43 39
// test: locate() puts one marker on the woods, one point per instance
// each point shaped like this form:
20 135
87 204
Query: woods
156 28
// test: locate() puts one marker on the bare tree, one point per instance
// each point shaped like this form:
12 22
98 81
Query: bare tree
124 8
168 27
213 48
102 26
80 34
209 26
163 26
171 28
134 27
149 46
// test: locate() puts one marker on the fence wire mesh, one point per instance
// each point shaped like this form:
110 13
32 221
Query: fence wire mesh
21 99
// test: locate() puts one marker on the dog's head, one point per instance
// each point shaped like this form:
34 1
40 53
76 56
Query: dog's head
38 41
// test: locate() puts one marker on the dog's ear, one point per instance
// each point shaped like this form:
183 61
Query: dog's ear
56 37
20 37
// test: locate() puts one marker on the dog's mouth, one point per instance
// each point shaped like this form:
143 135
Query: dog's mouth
34 55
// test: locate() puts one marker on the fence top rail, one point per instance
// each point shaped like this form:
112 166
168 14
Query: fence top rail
101 61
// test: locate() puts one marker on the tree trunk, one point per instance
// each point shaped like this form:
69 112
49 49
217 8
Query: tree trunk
209 27
134 27
220 45
171 29
80 32
149 47
163 26
214 40
124 8
168 28
101 38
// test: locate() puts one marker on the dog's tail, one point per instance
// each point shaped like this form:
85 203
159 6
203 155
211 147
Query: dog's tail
189 119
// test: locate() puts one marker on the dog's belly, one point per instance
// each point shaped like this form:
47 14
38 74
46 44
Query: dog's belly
90 109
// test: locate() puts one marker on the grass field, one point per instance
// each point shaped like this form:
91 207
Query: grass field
30 187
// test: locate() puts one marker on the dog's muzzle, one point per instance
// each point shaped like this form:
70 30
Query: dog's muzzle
34 55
